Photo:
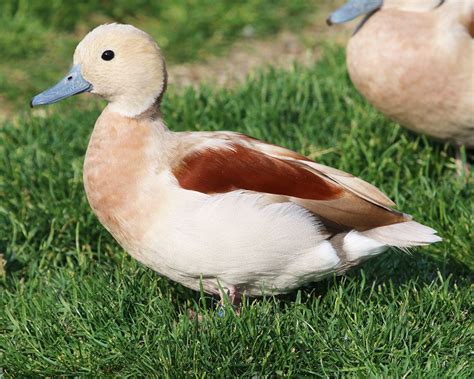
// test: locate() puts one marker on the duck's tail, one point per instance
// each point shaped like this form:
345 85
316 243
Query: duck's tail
404 234
358 246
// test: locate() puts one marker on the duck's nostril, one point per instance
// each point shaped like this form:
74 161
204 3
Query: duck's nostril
69 77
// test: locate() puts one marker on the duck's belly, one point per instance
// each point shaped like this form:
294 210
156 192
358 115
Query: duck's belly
236 240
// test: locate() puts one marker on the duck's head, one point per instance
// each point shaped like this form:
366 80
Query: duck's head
117 62
355 8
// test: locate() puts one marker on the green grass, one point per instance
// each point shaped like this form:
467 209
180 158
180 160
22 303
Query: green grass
37 38
72 302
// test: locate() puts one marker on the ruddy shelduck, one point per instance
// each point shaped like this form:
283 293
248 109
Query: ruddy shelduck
218 209
414 61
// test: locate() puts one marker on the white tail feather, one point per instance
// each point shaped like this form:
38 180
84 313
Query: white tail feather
404 234
360 245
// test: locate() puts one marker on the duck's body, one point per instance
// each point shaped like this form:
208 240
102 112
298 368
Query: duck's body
414 61
221 209
227 210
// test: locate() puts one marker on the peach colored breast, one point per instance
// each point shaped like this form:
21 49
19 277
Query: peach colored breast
411 69
115 166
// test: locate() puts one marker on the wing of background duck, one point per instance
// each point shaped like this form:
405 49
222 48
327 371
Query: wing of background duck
229 162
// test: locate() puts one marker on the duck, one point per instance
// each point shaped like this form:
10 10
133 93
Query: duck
414 62
216 211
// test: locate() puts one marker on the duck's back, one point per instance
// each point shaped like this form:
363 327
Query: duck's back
418 68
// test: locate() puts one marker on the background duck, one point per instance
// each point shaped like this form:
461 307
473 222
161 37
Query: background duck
222 209
414 61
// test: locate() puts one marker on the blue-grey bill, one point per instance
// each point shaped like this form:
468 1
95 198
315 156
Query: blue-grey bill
72 84
353 9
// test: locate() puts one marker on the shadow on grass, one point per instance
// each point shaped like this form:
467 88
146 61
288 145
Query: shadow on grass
399 268
392 269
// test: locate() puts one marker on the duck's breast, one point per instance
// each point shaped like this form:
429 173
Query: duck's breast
418 69
121 176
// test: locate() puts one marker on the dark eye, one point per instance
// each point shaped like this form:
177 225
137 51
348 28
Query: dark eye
108 55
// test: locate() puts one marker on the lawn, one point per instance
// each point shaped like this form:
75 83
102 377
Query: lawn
72 302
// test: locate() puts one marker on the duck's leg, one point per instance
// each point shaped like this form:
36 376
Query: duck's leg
462 164
234 300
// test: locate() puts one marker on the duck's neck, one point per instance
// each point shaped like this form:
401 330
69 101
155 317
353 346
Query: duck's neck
121 155
140 101
133 106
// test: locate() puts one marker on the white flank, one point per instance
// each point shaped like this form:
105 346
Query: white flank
357 246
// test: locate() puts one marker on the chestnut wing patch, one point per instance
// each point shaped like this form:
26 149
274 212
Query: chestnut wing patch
237 167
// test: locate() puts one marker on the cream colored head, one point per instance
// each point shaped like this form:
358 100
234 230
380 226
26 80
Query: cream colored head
136 75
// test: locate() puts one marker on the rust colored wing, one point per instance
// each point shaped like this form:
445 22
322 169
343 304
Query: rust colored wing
231 161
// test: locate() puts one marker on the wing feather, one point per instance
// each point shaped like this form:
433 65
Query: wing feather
239 162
